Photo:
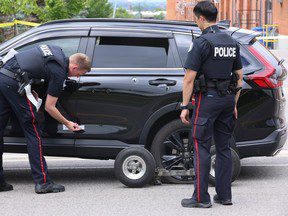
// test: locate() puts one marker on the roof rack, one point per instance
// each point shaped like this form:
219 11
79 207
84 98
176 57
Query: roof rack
224 24
167 22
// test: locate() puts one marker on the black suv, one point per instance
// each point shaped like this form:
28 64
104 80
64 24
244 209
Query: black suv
132 95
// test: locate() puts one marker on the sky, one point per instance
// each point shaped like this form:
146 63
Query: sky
148 4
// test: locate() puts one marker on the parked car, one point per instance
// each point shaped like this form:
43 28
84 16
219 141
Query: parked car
132 96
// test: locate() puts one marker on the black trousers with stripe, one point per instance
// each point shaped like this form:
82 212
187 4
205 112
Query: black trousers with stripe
212 118
10 101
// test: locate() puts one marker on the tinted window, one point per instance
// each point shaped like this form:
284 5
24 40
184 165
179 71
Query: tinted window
245 61
266 53
69 45
125 52
183 43
249 62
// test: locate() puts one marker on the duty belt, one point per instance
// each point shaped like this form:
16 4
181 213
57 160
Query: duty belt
24 85
215 83
11 74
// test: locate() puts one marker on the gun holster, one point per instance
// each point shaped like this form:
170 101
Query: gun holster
222 87
200 84
24 81
233 84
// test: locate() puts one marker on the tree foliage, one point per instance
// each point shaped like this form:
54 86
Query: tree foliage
123 13
46 10
160 16
98 9
14 7
59 9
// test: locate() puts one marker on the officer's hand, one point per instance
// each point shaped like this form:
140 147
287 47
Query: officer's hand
235 113
185 116
72 126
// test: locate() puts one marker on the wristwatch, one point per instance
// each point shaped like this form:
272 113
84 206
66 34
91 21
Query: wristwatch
182 107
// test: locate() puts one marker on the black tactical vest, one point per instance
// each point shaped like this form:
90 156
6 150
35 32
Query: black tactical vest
34 61
219 64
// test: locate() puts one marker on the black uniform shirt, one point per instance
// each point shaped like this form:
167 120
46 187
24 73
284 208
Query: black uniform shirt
57 78
57 75
201 49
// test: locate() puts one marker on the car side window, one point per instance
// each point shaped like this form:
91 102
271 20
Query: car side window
130 52
68 45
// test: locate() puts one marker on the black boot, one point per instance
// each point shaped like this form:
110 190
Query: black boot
4 186
191 203
223 202
48 187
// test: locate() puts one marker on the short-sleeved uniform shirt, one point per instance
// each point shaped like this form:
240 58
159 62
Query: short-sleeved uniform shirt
201 49
57 78
57 75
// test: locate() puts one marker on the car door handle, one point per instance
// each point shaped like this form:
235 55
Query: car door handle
88 84
166 82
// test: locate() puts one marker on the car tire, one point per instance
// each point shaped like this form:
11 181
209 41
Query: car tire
157 148
236 165
135 167
176 126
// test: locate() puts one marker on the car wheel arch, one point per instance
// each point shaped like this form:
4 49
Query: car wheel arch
156 121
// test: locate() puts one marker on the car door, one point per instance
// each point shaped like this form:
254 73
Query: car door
133 74
54 135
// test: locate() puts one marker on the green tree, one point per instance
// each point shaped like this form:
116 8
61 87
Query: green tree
59 9
160 16
98 9
158 9
123 13
14 7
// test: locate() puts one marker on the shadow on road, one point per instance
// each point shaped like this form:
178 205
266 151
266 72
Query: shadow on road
106 175
85 175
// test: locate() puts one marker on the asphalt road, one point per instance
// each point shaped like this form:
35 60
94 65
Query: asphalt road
92 189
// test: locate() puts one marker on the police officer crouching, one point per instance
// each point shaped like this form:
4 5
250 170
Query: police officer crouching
42 62
214 72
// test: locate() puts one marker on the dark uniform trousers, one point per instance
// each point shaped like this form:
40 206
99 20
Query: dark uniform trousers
212 118
10 101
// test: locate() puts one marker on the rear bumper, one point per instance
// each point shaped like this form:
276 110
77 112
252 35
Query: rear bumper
270 146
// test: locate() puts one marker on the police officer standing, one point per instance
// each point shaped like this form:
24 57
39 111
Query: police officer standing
42 62
214 72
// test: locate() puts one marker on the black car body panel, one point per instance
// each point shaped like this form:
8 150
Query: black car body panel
124 103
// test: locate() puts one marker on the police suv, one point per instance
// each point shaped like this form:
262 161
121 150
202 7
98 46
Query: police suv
132 97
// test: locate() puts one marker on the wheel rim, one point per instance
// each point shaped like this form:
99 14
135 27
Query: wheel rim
213 165
134 167
173 152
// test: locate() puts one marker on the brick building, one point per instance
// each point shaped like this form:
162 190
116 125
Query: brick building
242 13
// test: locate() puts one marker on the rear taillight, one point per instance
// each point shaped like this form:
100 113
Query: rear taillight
266 78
